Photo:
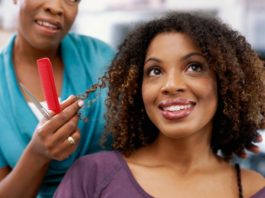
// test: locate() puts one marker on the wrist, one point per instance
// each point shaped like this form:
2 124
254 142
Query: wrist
42 160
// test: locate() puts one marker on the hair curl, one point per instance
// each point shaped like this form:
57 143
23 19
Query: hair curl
239 74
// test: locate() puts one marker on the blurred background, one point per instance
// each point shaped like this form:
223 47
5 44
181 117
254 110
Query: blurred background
110 21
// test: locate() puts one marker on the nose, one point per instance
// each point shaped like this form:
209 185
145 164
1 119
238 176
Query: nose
54 7
173 84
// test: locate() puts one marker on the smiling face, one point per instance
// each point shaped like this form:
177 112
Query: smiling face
43 23
179 89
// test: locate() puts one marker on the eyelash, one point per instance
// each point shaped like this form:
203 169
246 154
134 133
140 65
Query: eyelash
192 68
153 69
197 65
73 1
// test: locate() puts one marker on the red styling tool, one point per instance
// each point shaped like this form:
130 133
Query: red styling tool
48 84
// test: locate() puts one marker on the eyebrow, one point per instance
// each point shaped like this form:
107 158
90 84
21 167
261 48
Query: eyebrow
152 59
182 58
192 54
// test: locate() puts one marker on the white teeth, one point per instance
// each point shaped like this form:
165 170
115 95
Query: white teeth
176 107
47 24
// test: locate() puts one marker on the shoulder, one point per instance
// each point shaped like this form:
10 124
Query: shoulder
86 42
99 164
90 51
252 182
8 46
6 53
99 157
89 175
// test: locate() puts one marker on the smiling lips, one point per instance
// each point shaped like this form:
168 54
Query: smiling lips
49 26
176 109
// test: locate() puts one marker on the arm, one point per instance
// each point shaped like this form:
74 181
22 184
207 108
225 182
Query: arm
25 179
48 142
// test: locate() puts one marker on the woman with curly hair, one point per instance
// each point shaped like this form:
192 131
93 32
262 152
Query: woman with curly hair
184 96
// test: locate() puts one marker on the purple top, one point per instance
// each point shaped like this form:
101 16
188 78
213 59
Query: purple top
106 175
259 194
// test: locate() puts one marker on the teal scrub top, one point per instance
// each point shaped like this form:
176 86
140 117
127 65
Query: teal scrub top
85 59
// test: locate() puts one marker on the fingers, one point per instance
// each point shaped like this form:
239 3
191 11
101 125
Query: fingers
258 138
57 146
242 154
50 137
253 148
65 148
52 125
66 130
71 99
76 136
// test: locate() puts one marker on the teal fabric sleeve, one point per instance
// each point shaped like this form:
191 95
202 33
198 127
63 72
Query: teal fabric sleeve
3 162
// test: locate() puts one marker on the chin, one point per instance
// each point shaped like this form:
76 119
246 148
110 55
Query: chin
182 131
176 133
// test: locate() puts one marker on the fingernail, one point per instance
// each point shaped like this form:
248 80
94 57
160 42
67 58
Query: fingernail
80 103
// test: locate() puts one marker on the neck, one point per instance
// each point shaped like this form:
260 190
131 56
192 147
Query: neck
25 53
183 154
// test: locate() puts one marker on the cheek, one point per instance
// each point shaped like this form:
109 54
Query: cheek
70 18
145 94
209 94
27 11
148 97
149 92
25 20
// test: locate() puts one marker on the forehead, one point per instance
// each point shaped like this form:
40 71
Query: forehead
176 43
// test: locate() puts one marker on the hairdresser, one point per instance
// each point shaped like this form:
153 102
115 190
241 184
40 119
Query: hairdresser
35 152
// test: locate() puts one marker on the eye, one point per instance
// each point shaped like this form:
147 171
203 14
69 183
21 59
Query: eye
153 71
73 1
195 67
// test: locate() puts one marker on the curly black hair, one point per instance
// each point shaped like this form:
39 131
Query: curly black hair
239 74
